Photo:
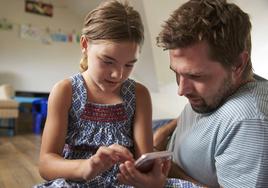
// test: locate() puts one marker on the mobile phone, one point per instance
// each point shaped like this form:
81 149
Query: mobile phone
146 161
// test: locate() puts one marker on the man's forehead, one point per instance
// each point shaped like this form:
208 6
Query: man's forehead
200 48
176 52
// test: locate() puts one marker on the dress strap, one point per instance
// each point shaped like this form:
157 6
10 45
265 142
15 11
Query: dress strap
129 97
79 94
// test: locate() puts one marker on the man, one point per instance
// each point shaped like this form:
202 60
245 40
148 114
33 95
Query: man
221 136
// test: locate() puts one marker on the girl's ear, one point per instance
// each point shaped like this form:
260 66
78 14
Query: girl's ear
83 42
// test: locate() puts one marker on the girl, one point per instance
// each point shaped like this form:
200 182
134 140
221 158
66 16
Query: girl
100 117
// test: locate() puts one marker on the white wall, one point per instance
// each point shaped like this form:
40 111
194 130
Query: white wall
166 102
156 12
30 65
259 19
145 70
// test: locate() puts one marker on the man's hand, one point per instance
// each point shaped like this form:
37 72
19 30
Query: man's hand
161 135
177 172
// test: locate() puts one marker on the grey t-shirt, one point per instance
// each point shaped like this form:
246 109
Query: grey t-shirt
228 147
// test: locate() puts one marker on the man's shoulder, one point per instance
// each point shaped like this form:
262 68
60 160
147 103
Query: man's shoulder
250 101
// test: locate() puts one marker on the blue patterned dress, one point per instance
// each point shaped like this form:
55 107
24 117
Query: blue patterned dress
92 125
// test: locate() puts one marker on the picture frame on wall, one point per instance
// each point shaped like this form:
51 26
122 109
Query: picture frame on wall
39 7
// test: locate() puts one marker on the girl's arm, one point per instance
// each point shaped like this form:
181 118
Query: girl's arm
52 165
142 128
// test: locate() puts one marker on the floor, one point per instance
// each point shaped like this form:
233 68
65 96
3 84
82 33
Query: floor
19 161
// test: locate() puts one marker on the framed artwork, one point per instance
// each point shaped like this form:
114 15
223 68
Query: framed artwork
38 7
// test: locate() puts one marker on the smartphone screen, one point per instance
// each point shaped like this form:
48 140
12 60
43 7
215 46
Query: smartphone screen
146 161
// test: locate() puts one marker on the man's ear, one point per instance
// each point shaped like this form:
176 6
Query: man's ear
241 64
83 42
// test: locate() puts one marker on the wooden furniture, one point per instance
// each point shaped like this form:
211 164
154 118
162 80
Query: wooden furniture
8 110
25 119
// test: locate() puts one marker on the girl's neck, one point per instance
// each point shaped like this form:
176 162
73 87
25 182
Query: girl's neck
96 95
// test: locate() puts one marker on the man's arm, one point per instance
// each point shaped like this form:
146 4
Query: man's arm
161 135
176 172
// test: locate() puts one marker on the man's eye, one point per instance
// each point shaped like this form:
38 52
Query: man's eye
129 65
195 76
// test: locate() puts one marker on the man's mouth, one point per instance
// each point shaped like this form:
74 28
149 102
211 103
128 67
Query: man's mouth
194 100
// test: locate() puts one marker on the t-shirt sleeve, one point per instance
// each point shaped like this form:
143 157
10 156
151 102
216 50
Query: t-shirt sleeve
242 154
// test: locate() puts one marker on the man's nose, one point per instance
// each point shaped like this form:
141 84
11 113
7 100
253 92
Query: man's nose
184 86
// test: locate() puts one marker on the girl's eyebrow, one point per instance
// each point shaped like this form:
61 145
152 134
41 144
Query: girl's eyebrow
113 59
108 57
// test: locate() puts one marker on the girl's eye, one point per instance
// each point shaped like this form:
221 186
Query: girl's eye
107 62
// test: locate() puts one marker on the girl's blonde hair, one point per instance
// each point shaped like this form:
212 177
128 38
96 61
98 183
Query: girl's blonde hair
115 21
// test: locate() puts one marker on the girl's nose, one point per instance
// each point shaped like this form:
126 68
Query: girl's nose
117 73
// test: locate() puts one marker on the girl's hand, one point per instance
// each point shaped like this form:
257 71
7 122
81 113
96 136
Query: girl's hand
104 159
156 178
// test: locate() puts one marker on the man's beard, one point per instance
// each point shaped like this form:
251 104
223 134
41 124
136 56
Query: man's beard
218 99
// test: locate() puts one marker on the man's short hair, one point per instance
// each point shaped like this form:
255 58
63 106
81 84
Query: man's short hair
224 26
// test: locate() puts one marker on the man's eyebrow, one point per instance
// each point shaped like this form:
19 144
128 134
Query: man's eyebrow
190 73
133 61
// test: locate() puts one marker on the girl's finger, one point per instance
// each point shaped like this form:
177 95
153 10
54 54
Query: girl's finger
122 151
131 170
127 173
